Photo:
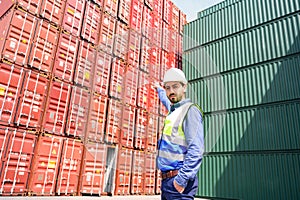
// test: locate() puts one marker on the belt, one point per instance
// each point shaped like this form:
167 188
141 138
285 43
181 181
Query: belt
169 174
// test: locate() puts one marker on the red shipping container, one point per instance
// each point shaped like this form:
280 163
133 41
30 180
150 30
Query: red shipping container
166 37
131 85
53 10
45 165
91 26
10 88
153 99
152 131
65 59
165 63
84 71
73 16
78 112
136 15
121 40
57 107
158 7
123 171
117 78
44 46
5 6
150 168
149 3
124 10
173 41
17 162
68 177
141 129
155 57
127 126
147 23
32 6
138 170
167 11
97 118
179 61
107 31
32 100
158 182
102 73
113 123
17 35
111 7
145 55
172 60
134 48
4 136
180 44
156 25
182 21
143 90
93 170
174 20
99 3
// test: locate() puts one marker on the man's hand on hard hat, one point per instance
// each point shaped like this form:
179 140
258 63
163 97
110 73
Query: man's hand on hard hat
179 188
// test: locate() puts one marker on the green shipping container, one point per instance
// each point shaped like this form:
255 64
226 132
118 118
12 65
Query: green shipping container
233 16
251 176
274 81
241 58
270 41
264 128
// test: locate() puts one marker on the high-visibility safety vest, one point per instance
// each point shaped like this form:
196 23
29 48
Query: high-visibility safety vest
173 146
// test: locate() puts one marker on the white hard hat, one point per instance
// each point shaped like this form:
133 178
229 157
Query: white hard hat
174 74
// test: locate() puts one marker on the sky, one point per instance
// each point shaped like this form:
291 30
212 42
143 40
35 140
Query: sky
192 7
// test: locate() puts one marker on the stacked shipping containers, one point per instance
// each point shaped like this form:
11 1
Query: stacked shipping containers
242 60
79 114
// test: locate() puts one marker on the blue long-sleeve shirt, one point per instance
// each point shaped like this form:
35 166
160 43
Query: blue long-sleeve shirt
163 98
193 130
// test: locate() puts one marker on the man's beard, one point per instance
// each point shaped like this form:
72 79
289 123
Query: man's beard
173 98
173 101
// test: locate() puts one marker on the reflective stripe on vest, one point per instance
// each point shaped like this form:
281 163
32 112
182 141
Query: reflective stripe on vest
173 134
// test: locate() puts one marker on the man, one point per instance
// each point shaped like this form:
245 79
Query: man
181 146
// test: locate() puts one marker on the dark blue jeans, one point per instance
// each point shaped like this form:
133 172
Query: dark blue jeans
168 191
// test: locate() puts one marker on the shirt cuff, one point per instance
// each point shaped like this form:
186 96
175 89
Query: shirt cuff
181 181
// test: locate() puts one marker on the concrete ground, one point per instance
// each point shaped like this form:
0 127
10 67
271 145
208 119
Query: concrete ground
131 197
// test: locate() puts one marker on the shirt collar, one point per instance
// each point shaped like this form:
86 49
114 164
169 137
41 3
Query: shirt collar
178 104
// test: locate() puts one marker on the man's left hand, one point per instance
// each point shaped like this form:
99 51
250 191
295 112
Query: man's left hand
179 188
156 85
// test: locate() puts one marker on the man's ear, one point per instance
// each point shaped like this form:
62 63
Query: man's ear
184 87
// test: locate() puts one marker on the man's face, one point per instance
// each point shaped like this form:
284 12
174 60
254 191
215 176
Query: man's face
175 91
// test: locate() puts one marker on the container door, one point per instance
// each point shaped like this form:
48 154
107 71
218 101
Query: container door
110 170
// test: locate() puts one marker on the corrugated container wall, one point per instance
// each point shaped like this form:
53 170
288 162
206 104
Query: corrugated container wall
79 114
242 61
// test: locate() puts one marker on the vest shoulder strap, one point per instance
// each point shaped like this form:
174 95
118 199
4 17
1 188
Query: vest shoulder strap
202 113
199 108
